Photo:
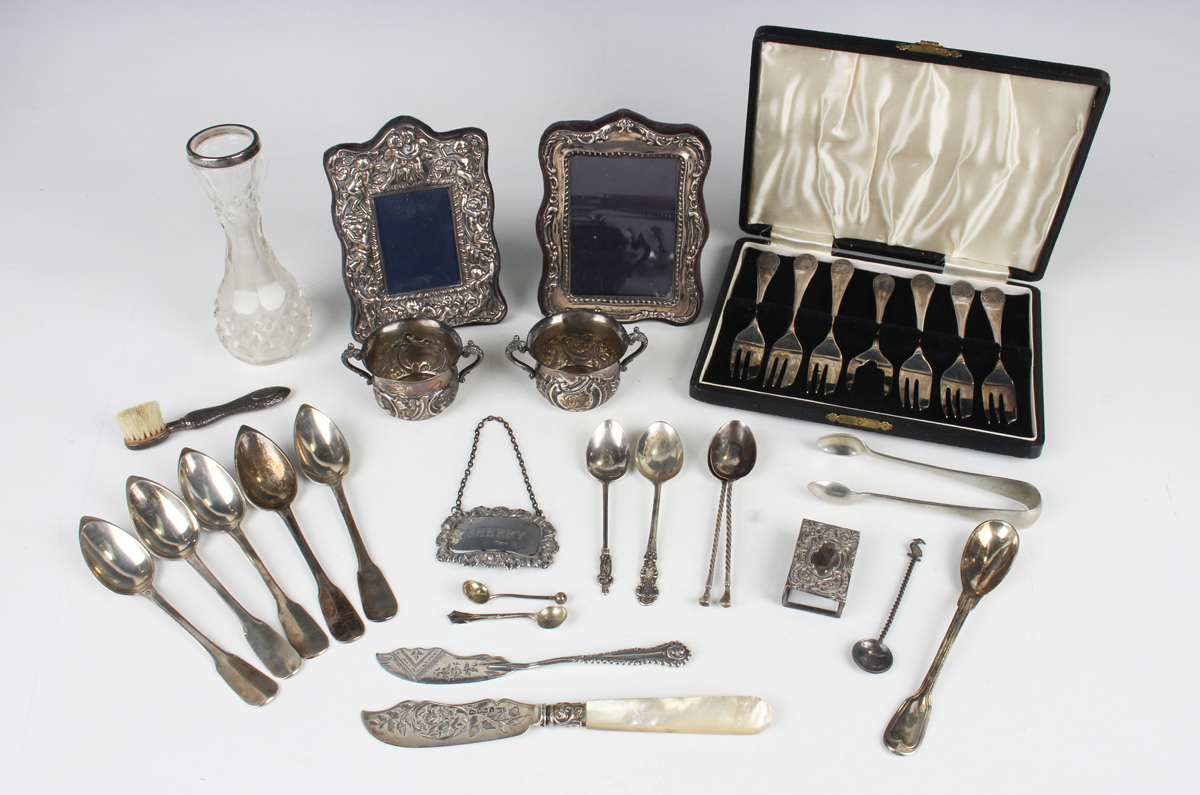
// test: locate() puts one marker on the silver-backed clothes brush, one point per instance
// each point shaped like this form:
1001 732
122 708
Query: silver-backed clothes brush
143 426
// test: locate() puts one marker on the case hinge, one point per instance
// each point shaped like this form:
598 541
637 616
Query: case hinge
975 271
812 242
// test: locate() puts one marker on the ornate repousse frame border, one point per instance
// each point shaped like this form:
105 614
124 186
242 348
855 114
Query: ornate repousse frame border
407 155
624 133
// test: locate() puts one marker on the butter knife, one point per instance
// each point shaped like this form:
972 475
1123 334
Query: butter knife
436 666
425 724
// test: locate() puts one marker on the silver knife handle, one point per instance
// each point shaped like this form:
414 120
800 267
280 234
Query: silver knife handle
564 713
673 654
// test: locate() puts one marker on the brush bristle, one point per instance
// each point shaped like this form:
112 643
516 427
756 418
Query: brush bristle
141 422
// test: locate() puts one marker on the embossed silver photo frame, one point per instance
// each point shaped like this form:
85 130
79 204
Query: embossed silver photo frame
622 222
821 568
413 210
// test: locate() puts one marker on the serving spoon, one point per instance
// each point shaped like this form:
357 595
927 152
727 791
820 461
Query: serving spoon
218 504
546 618
659 457
122 564
732 453
165 525
269 481
478 593
607 461
325 458
986 559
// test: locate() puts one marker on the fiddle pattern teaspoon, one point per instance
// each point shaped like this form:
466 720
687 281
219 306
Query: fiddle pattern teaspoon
324 458
168 529
269 481
219 506
121 563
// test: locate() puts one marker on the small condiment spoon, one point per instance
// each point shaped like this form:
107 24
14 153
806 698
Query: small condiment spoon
165 525
218 504
123 565
607 460
546 618
269 481
731 455
986 559
325 458
478 593
659 457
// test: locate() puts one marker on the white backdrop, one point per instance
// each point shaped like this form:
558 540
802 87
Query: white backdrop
1074 674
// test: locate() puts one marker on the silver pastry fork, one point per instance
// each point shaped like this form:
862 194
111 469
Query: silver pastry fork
999 392
825 362
749 345
958 385
787 354
916 376
883 286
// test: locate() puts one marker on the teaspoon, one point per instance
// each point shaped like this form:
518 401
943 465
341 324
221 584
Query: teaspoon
478 593
546 618
986 559
732 453
168 528
270 483
659 458
325 458
607 461
122 565
218 504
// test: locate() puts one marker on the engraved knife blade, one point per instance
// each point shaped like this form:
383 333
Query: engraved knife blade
436 666
425 724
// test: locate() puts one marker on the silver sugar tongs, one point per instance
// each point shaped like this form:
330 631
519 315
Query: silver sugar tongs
1016 490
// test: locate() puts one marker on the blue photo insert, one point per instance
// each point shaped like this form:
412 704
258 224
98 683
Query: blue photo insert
417 240
623 225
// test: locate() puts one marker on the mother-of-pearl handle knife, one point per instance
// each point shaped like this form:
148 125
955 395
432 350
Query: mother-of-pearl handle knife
425 724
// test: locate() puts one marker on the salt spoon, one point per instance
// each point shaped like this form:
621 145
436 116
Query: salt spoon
546 618
870 654
478 593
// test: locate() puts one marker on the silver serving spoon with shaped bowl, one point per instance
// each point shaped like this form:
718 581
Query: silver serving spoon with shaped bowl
165 525
986 559
324 458
122 564
219 506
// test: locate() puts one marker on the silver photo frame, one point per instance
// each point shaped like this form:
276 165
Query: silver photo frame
622 222
413 209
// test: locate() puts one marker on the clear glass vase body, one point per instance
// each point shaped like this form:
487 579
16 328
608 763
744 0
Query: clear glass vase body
262 317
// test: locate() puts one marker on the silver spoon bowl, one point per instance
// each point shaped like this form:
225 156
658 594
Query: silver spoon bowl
269 481
608 460
218 504
659 457
122 564
732 453
164 523
324 458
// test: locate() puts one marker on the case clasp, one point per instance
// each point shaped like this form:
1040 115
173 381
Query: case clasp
929 48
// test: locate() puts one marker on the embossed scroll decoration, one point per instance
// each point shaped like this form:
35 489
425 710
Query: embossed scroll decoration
435 187
622 222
